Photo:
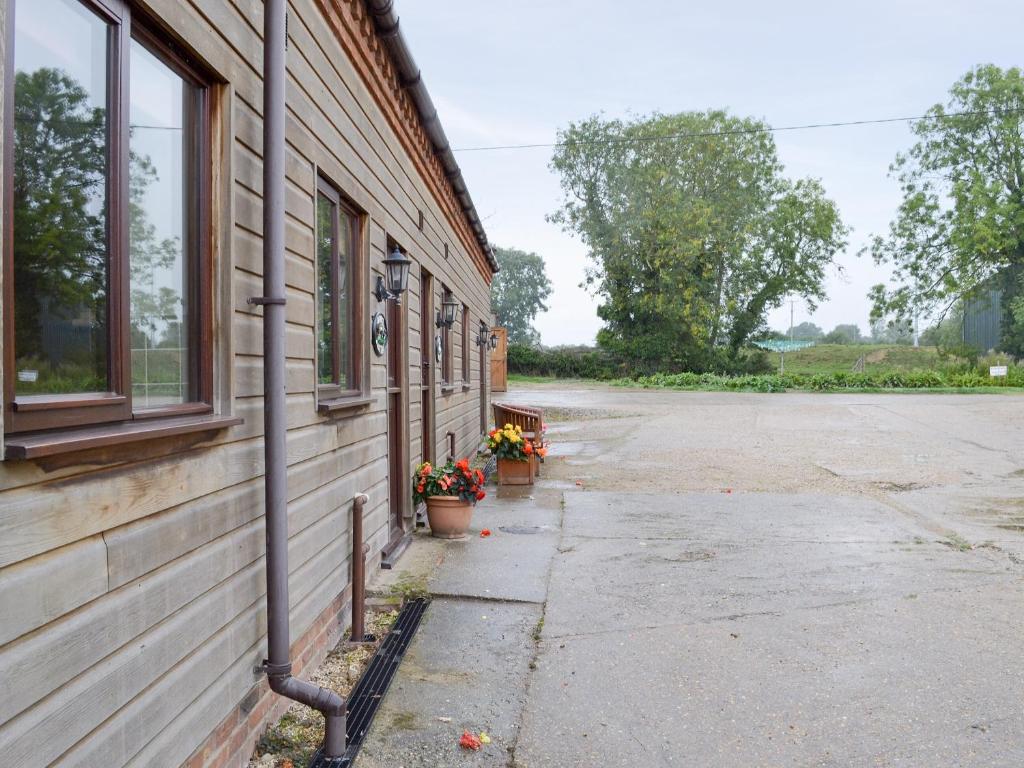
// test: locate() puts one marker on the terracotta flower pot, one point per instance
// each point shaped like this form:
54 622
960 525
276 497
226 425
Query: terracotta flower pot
515 472
448 516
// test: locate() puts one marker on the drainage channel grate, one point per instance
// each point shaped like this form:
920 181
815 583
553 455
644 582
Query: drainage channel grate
369 691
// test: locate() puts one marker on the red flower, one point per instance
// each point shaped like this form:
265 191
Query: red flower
527 447
480 495
419 488
485 533
469 741
462 464
478 475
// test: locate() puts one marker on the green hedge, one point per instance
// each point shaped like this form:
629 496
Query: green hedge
562 362
595 363
831 382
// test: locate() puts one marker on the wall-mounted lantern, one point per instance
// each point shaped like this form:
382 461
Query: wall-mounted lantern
446 316
481 335
396 280
494 341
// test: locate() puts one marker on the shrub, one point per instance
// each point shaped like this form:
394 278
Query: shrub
561 362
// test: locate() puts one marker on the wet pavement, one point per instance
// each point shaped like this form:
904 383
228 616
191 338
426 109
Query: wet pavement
731 580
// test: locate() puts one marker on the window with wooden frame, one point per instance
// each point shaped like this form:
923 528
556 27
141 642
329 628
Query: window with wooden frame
339 297
465 346
107 273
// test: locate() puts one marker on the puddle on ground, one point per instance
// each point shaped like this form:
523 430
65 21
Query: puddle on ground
525 529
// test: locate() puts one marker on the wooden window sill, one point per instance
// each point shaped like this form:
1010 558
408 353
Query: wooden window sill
56 442
466 386
447 389
340 405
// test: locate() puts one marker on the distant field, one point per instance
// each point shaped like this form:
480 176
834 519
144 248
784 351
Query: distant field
878 358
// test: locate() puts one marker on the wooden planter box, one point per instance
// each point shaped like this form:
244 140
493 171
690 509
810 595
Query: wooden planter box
513 472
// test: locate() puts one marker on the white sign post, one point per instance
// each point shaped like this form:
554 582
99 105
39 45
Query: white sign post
996 370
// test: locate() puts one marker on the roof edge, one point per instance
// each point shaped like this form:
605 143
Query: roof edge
386 22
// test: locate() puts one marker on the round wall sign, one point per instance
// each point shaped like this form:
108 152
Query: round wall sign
379 333
438 349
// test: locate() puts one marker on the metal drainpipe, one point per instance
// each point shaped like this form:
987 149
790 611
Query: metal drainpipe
278 664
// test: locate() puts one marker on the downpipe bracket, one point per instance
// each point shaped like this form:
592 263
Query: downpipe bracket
275 670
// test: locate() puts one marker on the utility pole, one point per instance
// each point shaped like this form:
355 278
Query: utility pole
792 303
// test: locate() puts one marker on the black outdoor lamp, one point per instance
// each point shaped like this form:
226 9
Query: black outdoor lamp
481 335
494 341
446 317
396 269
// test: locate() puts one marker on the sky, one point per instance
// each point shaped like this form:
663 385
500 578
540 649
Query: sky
516 72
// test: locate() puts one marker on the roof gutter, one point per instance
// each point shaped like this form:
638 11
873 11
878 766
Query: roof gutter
386 21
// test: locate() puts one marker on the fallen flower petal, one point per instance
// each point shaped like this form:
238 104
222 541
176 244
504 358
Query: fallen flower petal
484 738
485 533
469 741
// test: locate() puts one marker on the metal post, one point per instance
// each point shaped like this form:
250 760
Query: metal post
359 550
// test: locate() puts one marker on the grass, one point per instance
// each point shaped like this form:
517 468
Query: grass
408 587
850 368
878 358
522 378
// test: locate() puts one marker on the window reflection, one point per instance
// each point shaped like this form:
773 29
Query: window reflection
162 190
335 232
59 205
326 214
345 232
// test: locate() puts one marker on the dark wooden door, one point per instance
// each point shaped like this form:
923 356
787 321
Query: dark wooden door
427 364
398 440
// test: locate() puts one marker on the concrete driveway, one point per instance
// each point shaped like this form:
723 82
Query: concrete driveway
735 580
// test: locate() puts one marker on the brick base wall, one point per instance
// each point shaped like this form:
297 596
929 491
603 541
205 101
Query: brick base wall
232 742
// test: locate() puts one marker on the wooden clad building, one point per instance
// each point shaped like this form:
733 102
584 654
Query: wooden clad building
132 587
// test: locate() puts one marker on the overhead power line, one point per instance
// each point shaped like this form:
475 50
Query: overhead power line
739 131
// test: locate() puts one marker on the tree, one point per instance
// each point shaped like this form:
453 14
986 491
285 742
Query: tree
892 332
947 334
807 331
154 307
59 211
693 232
961 220
518 293
59 218
843 334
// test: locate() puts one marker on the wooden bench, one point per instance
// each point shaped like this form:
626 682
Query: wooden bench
527 418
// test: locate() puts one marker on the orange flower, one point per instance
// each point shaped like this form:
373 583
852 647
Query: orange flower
478 475
542 452
527 447
419 488
480 495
